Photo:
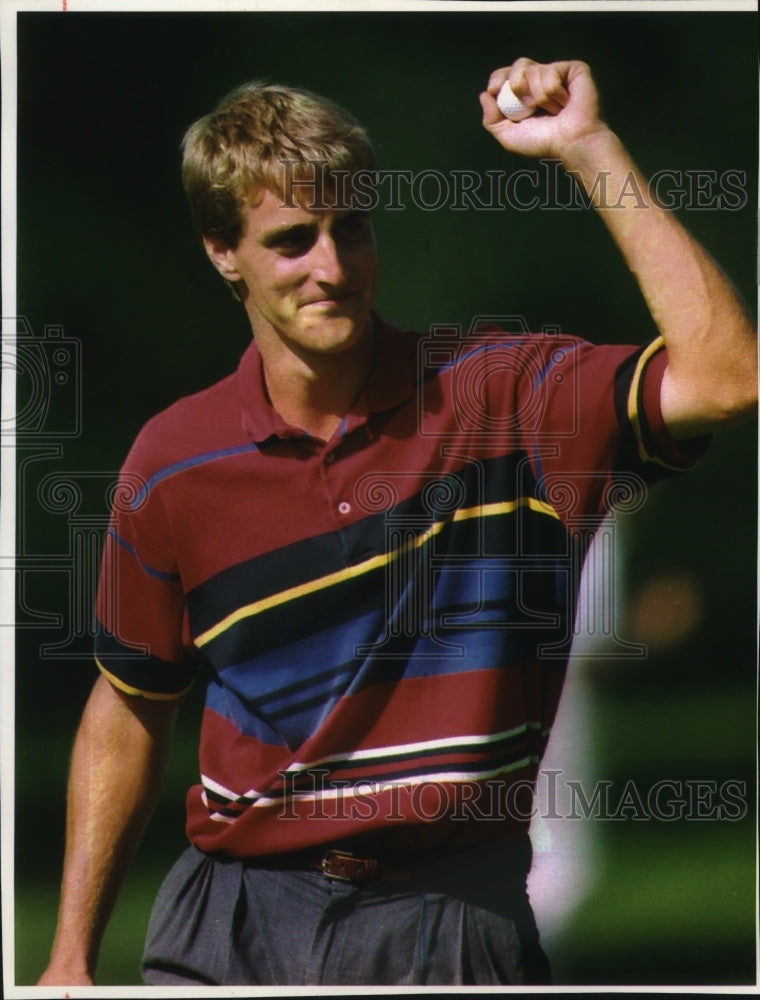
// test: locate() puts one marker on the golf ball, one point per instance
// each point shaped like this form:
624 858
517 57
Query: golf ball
511 106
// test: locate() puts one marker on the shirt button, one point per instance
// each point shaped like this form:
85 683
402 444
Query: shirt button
344 507
330 457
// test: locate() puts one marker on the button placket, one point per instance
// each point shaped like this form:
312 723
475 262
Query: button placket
335 489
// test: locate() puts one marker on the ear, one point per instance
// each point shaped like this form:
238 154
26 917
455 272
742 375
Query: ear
222 257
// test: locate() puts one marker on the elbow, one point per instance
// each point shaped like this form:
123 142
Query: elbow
730 373
735 401
743 405
732 376
742 402
692 406
731 416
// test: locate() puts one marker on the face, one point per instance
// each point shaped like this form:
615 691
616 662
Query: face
309 277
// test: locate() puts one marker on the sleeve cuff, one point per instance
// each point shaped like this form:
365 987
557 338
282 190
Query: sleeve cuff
128 692
138 674
654 442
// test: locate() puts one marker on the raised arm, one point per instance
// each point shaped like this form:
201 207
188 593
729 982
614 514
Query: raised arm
711 378
116 772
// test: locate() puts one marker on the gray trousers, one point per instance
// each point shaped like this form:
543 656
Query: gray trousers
462 918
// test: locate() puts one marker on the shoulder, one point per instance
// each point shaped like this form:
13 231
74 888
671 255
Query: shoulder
201 422
502 346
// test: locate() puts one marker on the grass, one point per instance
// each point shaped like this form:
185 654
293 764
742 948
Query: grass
673 902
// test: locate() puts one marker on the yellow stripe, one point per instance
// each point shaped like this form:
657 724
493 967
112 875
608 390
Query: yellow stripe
506 507
633 404
350 572
633 396
128 689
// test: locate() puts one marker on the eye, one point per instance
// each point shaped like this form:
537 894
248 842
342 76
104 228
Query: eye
293 241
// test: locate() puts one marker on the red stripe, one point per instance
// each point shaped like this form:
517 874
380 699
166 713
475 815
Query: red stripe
429 815
431 708
436 707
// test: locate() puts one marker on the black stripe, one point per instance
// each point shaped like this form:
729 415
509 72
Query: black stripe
494 755
139 669
534 747
491 481
541 586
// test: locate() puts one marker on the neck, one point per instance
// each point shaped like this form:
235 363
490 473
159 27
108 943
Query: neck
314 392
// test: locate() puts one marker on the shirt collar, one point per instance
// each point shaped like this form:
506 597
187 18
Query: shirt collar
390 382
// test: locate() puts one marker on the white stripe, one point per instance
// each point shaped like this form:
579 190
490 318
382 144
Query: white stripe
260 799
214 786
378 787
406 748
218 818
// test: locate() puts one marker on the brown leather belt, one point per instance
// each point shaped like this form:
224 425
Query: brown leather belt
344 865
347 867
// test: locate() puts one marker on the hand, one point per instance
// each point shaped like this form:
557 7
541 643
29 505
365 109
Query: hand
567 106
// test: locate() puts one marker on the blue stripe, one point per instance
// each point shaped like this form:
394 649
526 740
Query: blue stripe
288 691
481 349
156 573
480 619
189 463
228 705
498 592
556 357
271 679
484 482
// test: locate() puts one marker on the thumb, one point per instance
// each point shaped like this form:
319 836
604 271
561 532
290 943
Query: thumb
491 113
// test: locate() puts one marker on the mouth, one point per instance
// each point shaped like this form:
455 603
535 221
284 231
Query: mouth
330 301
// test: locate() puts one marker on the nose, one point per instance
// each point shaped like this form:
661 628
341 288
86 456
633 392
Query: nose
328 265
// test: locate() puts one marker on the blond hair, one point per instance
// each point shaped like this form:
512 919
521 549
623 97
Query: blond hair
258 137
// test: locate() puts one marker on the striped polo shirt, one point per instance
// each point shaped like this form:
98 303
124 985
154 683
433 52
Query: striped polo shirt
382 621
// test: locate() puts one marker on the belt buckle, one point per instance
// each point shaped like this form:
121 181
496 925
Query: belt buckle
346 867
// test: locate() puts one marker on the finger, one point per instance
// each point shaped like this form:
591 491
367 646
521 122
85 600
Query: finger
497 79
518 82
546 87
491 113
550 107
580 83
536 85
555 87
514 73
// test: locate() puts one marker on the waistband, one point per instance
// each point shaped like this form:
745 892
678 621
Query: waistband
504 860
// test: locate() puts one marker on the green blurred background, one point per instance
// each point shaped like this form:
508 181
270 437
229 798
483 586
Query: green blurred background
106 251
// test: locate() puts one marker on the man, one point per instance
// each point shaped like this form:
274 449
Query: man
372 549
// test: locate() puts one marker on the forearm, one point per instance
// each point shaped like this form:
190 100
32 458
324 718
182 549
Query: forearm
712 348
116 772
711 377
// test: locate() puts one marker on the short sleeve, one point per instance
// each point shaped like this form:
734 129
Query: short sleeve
653 445
140 643
598 434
